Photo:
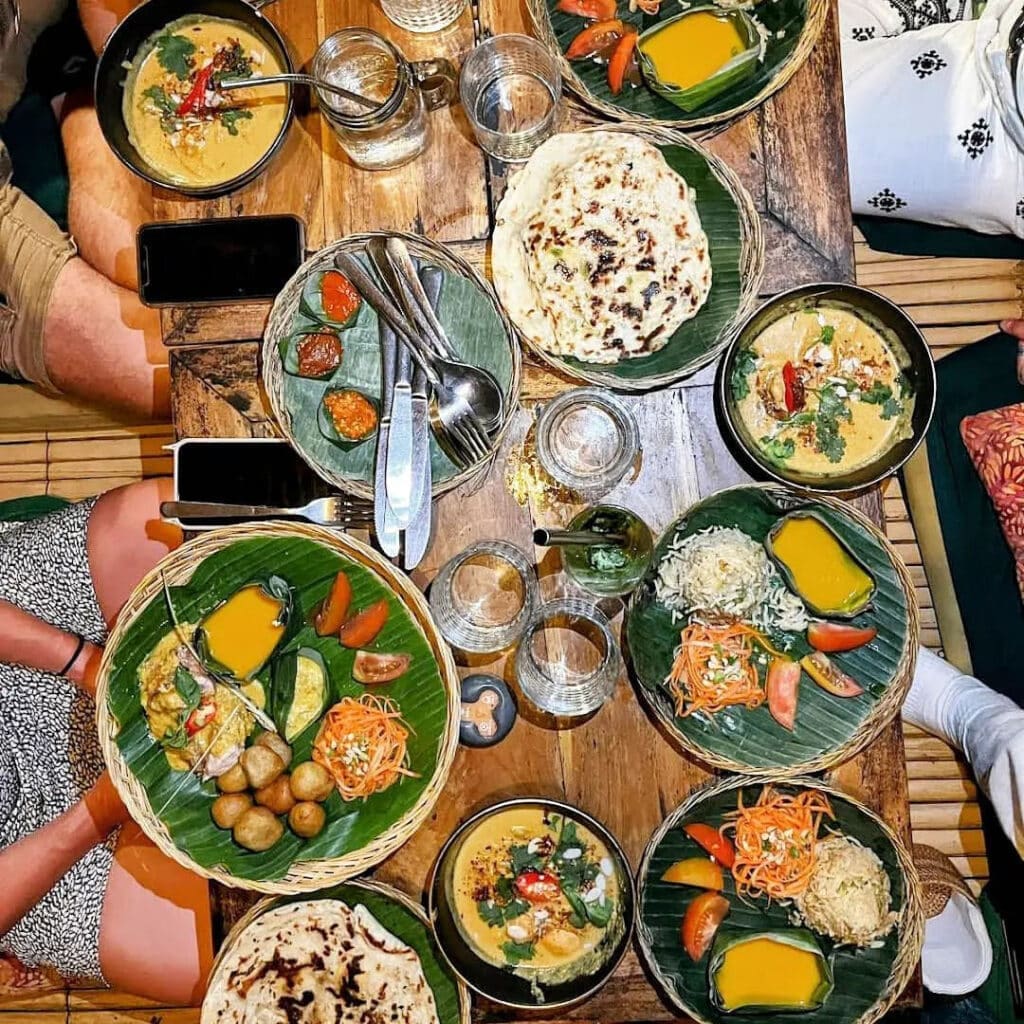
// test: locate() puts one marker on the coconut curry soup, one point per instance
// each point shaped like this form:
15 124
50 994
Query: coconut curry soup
189 131
821 392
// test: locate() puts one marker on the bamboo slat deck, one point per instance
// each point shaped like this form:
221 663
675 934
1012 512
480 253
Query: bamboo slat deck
955 301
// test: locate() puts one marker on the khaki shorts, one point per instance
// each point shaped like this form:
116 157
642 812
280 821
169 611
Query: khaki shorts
33 251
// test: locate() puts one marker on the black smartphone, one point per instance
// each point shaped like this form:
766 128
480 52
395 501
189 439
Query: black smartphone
215 261
243 471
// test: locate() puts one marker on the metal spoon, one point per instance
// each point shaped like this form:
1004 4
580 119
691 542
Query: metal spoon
454 383
477 386
318 83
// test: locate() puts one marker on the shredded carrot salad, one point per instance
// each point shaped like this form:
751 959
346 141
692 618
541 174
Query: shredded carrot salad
362 743
776 842
713 668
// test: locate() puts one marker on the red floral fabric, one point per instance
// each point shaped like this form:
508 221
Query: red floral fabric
995 441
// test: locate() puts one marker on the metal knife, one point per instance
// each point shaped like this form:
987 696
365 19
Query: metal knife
417 536
385 524
399 460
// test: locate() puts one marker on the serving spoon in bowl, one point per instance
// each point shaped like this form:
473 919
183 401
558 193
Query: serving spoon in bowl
298 79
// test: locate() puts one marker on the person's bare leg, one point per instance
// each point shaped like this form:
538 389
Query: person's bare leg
99 17
127 538
101 343
106 202
155 930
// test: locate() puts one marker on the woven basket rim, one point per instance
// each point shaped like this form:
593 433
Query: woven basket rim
751 269
279 327
882 712
710 124
305 875
910 926
371 885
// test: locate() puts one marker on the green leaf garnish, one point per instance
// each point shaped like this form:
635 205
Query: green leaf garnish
828 332
599 914
745 365
778 449
232 116
175 55
517 952
880 394
523 860
832 408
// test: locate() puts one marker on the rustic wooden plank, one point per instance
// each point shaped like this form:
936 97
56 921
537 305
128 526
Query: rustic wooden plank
935 770
942 816
22 489
928 748
140 1015
22 472
41 1003
76 490
23 409
210 325
443 193
951 292
933 269
971 867
96 999
78 449
953 842
23 452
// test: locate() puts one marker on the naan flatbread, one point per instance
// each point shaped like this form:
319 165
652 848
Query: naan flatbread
598 250
319 962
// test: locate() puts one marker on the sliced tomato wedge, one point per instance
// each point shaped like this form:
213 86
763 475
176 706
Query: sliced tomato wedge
595 40
829 677
834 636
592 10
709 838
538 886
696 871
332 613
623 56
703 916
361 629
782 687
370 668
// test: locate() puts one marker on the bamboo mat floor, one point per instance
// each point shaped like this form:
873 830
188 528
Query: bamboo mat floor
955 301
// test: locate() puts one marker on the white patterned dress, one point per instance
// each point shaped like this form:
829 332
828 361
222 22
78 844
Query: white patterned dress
49 751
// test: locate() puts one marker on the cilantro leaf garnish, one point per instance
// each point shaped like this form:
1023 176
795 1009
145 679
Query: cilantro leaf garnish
167 107
832 408
496 914
175 55
232 116
745 365
517 952
828 332
881 394
523 860
778 449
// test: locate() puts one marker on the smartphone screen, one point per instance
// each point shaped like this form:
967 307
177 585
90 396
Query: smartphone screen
245 472
222 260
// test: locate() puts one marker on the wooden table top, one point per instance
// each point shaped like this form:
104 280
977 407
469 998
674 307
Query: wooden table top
791 156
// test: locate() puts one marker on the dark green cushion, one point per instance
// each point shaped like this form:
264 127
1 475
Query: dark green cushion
912 238
22 510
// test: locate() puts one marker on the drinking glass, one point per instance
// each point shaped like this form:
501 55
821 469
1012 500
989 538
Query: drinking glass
484 597
587 439
397 129
567 662
510 87
609 570
423 15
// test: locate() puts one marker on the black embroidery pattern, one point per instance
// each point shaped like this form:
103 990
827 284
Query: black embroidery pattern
862 35
976 139
887 201
927 63
917 14
1020 207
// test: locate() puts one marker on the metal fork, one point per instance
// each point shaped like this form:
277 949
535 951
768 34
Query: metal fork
336 511
460 433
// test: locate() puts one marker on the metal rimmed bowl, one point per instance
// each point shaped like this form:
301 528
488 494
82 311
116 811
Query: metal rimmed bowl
121 49
902 336
501 985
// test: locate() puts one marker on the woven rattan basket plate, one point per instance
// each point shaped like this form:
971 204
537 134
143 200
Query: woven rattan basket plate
829 730
868 981
736 248
469 311
396 912
173 807
800 23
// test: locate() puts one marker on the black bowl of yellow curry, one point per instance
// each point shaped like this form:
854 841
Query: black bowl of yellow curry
160 106
533 904
828 387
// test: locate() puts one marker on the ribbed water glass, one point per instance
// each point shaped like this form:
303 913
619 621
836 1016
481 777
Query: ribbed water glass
484 597
423 15
510 88
567 662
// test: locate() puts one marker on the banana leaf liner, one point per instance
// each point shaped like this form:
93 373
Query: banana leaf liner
828 729
726 77
867 981
173 807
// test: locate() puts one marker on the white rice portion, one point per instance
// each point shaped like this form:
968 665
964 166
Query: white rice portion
724 571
